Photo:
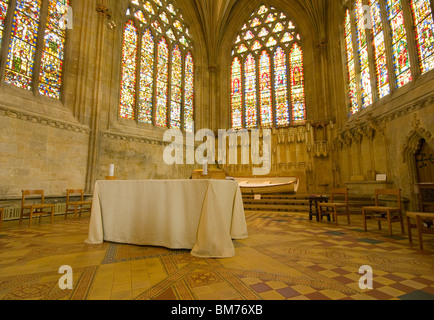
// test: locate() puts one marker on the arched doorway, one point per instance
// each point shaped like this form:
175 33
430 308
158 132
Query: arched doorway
424 160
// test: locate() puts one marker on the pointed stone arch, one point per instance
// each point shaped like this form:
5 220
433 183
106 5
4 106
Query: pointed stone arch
410 147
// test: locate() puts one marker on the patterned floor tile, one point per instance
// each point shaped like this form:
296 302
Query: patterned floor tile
287 256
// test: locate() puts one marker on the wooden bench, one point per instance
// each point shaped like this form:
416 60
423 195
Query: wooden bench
420 217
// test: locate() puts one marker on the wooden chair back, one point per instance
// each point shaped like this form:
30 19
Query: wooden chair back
388 192
426 196
339 191
74 192
26 193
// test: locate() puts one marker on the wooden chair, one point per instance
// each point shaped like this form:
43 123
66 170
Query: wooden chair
2 210
424 224
35 209
79 206
385 213
325 207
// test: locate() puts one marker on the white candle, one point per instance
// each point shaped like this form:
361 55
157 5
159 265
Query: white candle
205 167
112 170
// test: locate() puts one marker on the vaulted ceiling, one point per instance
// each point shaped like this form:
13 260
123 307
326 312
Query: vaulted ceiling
217 17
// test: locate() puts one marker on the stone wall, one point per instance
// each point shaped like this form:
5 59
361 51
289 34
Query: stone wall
38 154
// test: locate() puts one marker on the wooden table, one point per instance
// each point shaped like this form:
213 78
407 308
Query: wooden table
420 217
201 215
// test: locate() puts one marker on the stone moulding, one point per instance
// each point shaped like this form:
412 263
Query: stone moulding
132 138
44 120
353 129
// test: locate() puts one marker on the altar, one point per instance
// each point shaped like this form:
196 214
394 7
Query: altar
201 215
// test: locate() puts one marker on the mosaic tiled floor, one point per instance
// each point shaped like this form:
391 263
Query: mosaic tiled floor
285 257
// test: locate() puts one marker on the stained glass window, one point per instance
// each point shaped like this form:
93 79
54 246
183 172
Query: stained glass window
262 92
128 78
176 92
266 110
366 88
423 21
150 92
250 92
236 95
189 93
146 78
22 48
281 88
401 59
50 77
162 83
380 50
3 11
351 64
297 84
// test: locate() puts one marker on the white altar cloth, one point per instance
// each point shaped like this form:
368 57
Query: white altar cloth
201 215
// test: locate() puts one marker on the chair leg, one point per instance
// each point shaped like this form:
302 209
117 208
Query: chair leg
401 219
319 214
30 217
409 230
364 220
21 215
348 216
419 231
379 224
335 213
389 221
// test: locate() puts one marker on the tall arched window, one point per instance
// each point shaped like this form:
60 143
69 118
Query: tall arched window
390 36
189 93
250 92
401 57
236 94
146 78
265 90
281 87
297 84
380 50
262 95
162 83
4 4
157 71
423 21
365 80
34 62
351 65
129 63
